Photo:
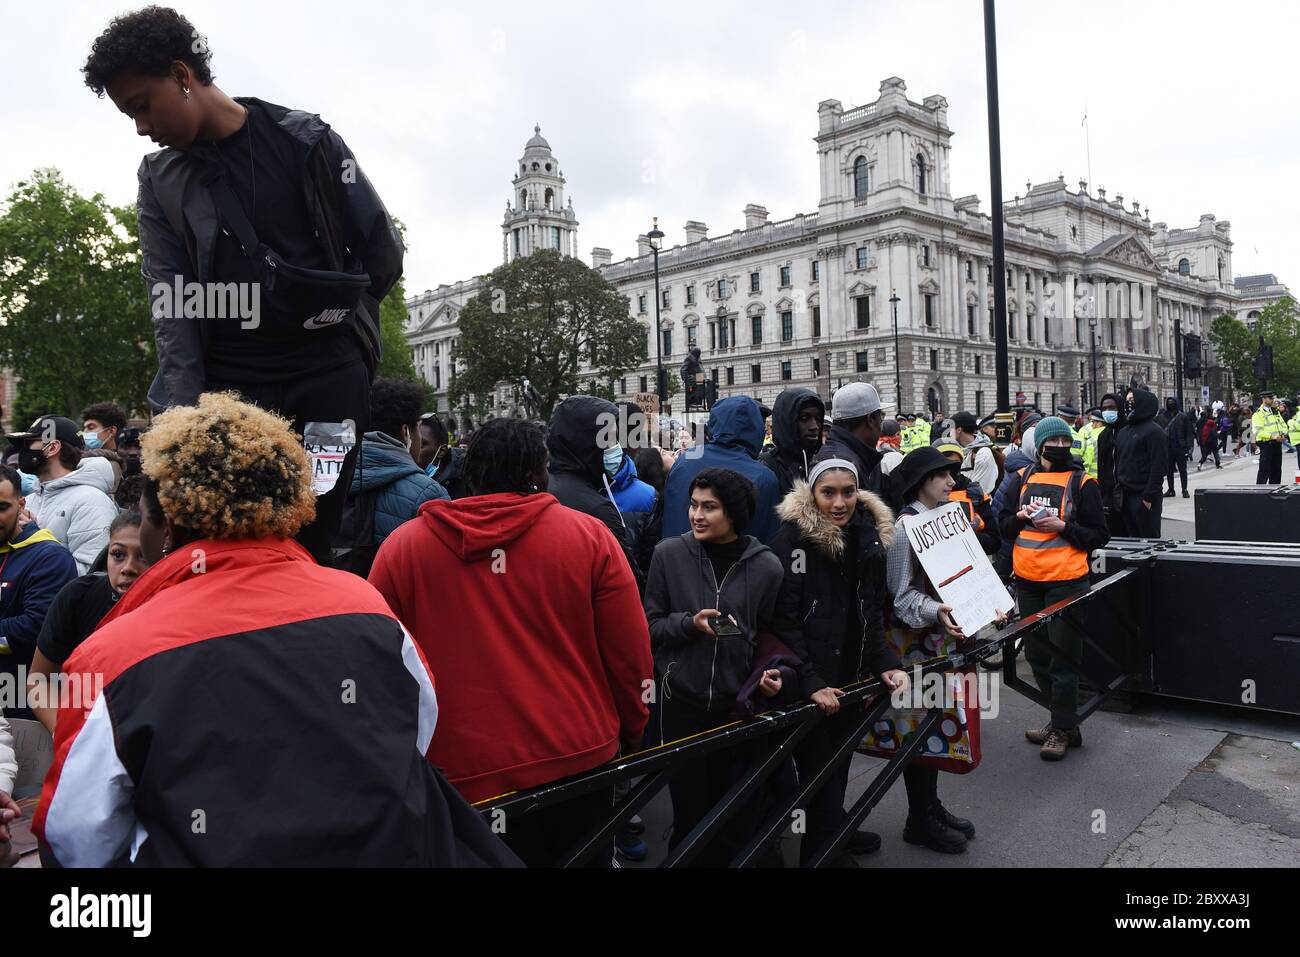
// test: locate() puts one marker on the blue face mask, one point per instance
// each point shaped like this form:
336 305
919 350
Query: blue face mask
92 440
613 461
29 483
1111 416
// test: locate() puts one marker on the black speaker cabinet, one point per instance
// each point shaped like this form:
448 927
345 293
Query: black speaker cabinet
1260 513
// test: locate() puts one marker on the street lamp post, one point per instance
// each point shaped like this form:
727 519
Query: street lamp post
656 238
1092 336
898 356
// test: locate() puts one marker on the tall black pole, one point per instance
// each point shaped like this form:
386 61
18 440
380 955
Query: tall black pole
659 339
995 189
1178 361
1092 335
898 356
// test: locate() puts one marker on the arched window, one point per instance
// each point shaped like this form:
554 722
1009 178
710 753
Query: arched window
1184 267
523 199
920 173
550 198
860 178
1220 269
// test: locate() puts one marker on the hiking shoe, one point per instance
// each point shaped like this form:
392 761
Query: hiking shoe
1185 495
630 847
959 824
1039 736
863 842
1054 748
930 831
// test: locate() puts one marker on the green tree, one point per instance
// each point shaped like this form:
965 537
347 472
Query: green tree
552 320
73 307
1279 325
396 362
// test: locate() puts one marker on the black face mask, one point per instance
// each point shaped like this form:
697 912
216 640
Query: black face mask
1058 455
30 460
131 466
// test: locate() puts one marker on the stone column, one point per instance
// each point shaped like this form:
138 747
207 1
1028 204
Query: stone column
982 292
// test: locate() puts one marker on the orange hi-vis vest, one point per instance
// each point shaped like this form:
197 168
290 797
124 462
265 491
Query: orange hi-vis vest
962 497
1042 556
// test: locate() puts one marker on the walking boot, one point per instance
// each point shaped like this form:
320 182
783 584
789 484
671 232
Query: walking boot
959 824
930 831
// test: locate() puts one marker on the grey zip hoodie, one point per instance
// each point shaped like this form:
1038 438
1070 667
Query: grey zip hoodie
707 672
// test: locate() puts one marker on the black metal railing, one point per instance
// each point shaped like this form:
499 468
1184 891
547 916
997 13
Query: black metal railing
649 771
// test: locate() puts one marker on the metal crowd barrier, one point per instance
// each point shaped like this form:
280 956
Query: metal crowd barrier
651 770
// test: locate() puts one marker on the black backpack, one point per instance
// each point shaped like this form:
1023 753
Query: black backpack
354 546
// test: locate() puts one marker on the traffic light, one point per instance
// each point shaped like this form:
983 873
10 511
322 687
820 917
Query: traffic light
710 393
663 385
1192 356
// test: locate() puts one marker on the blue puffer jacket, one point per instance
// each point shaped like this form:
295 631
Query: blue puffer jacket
630 493
387 469
735 439
33 567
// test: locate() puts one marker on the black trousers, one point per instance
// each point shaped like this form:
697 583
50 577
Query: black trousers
340 395
824 813
1177 461
1140 521
1270 463
1208 449
544 837
702 782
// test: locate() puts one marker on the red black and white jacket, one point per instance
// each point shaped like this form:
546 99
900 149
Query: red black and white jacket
256 709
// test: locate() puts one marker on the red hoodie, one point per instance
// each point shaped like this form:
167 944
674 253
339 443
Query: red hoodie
530 618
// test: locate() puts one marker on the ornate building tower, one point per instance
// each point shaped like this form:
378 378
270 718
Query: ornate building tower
536 217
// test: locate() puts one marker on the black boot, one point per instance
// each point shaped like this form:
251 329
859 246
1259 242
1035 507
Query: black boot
931 831
960 824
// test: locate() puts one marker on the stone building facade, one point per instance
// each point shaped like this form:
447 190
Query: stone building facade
1094 287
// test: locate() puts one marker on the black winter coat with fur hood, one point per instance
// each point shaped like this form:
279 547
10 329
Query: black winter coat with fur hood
834 598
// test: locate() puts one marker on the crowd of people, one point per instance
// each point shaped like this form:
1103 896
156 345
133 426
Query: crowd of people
315 626
576 589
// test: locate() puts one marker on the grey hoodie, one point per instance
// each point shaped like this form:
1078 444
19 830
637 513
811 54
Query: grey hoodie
77 509
707 672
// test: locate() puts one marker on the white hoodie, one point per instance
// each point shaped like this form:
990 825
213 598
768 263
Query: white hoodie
77 509
8 760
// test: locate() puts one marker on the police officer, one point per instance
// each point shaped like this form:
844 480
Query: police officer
1090 433
1053 513
1293 431
1070 416
1269 428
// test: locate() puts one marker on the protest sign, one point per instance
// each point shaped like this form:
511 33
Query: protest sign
945 544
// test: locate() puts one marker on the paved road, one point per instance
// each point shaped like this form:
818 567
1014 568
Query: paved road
1177 519
1165 784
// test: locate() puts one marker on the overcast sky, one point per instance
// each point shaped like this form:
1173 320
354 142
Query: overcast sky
690 110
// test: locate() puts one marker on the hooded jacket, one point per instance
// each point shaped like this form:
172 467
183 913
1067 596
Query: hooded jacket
298 717
702 670
577 467
642 512
179 225
833 601
34 566
787 457
979 464
530 618
735 439
843 444
1106 454
1141 450
388 472
1181 431
77 509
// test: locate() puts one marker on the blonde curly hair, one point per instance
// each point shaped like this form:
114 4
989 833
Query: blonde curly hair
227 469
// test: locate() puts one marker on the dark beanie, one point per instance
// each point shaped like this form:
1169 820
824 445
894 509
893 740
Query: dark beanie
737 494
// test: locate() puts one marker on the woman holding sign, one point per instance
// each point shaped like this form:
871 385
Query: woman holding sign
924 480
1053 513
832 545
